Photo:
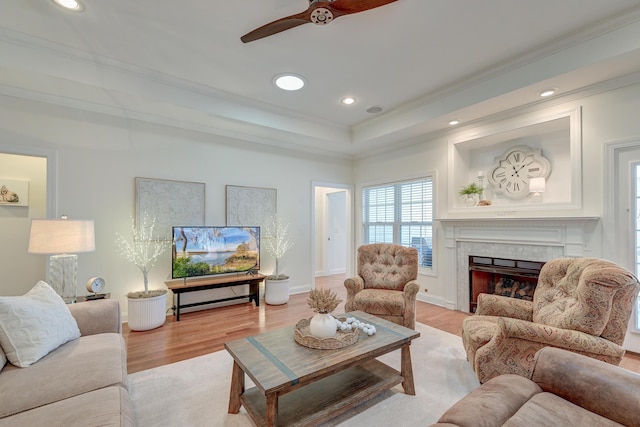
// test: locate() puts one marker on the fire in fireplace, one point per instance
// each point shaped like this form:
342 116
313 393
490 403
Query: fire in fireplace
506 277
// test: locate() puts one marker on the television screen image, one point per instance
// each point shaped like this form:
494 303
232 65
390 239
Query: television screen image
208 250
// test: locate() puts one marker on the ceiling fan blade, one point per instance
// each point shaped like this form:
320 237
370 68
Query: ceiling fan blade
277 26
355 6
334 9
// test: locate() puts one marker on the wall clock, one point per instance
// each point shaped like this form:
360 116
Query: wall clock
511 173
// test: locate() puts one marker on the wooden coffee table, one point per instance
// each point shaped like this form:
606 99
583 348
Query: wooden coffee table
297 385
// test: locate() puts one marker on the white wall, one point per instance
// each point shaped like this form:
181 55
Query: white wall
607 116
98 159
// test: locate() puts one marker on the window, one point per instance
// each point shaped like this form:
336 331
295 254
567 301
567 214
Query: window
400 213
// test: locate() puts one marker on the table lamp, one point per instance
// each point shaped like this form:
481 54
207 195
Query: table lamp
537 187
62 238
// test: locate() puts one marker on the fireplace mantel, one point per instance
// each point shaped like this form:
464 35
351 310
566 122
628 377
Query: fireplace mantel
523 238
507 218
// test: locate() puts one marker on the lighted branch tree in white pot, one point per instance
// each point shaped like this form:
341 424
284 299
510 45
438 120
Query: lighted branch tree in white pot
147 308
276 242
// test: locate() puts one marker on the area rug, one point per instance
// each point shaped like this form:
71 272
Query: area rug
195 392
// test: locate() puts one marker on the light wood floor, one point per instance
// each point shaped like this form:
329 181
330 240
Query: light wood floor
206 331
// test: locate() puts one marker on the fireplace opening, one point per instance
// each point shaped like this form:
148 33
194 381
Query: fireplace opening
500 276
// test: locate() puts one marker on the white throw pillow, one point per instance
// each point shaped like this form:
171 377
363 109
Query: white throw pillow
35 324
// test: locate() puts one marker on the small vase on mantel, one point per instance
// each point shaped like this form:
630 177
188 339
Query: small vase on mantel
323 325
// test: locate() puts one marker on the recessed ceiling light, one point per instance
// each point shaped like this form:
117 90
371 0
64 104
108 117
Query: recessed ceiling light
547 92
289 81
348 100
374 109
73 5
454 122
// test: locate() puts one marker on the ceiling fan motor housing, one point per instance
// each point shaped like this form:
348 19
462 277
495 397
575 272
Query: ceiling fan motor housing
321 16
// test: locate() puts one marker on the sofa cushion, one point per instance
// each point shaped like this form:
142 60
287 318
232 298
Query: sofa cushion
3 359
77 367
34 324
109 406
380 301
547 409
493 403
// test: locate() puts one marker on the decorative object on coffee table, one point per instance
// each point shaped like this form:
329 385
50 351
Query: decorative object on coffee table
323 302
147 309
303 336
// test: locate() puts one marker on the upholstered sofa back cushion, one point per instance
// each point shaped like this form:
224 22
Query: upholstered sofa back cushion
583 294
387 266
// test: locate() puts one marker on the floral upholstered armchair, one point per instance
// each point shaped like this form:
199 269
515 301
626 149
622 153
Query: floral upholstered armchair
386 284
580 304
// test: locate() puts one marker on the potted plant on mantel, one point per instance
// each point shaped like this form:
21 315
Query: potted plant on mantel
277 243
147 309
471 193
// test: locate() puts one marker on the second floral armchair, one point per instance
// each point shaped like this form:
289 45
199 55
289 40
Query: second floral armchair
386 284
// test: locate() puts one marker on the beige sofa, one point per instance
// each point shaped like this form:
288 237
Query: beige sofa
565 389
81 383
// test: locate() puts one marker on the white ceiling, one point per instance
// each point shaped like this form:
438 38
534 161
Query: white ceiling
182 63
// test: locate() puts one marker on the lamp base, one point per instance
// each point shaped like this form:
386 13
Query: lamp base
536 197
62 275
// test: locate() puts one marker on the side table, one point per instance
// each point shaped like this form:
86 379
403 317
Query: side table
82 298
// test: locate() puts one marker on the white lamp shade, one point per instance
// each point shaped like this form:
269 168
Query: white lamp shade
61 236
537 185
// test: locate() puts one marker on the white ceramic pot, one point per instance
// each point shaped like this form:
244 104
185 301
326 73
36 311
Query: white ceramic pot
147 313
276 292
323 325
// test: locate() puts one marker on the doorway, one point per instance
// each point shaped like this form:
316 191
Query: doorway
332 234
622 220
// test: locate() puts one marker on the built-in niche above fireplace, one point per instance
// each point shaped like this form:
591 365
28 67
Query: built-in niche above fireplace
554 134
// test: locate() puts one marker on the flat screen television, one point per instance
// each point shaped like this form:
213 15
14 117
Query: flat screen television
209 250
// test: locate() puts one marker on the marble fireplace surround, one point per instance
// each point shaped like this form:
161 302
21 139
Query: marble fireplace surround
530 239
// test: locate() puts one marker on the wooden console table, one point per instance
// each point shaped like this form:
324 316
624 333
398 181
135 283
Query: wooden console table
213 283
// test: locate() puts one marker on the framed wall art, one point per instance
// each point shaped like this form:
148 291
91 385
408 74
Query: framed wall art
14 192
171 202
247 206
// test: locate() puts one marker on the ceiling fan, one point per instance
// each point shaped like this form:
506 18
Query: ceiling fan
320 12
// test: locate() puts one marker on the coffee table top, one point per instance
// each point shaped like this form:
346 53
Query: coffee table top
274 361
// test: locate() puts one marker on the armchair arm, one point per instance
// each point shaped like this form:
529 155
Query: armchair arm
497 305
512 348
599 387
354 285
97 317
410 291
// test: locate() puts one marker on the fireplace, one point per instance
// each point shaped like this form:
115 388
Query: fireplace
531 239
506 277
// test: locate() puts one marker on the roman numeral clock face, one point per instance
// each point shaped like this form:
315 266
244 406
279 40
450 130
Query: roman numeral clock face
511 173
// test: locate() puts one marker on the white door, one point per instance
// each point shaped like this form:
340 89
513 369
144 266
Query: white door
627 224
336 226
